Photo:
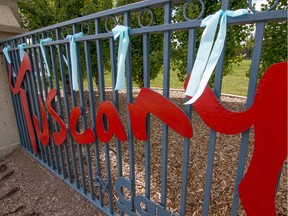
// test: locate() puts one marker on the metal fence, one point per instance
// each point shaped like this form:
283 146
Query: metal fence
108 173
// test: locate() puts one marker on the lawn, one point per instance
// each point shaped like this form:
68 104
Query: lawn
235 83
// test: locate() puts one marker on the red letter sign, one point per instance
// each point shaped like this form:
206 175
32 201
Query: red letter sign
149 101
24 67
84 138
43 136
268 114
58 137
115 125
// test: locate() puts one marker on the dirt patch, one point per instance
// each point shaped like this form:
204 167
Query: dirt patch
27 188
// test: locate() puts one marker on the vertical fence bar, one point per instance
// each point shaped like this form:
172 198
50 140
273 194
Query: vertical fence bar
39 92
93 116
67 107
115 101
56 79
62 73
188 109
15 107
18 63
33 108
166 89
52 127
92 113
146 70
45 88
127 20
260 26
74 104
103 98
19 104
213 134
35 100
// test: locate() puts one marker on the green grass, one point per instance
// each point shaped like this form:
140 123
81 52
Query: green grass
235 83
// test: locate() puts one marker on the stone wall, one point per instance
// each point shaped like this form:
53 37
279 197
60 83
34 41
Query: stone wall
9 26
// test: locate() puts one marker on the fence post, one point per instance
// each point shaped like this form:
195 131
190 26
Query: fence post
9 26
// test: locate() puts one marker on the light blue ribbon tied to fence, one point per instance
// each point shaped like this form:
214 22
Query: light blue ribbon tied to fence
122 32
42 41
74 60
6 53
21 50
8 59
206 59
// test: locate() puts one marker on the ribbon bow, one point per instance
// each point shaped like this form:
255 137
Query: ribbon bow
206 59
74 60
42 41
124 40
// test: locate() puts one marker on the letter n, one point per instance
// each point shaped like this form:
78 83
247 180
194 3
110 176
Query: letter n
149 101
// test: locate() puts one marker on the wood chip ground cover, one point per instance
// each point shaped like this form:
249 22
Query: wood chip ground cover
224 164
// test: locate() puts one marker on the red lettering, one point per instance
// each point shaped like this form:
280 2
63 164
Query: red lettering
82 138
24 67
115 125
60 136
149 101
268 114
43 136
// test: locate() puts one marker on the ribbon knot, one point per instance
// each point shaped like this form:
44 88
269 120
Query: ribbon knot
42 41
122 32
74 60
206 59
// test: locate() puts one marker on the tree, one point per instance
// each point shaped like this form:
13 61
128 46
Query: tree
156 44
38 13
235 35
275 36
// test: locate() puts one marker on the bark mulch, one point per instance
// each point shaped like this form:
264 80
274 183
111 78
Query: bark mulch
29 189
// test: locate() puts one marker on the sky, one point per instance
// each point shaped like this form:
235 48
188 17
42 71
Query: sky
258 3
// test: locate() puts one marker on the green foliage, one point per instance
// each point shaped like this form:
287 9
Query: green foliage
275 41
156 44
235 35
36 13
39 13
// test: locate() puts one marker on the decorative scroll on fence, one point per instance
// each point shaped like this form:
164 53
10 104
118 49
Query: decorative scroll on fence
51 132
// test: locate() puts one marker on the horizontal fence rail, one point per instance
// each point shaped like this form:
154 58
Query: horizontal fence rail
128 176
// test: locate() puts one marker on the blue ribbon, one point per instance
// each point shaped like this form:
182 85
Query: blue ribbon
124 40
74 60
64 57
21 50
206 59
42 41
6 54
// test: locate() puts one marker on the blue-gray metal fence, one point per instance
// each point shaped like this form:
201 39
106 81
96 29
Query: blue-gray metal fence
89 168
